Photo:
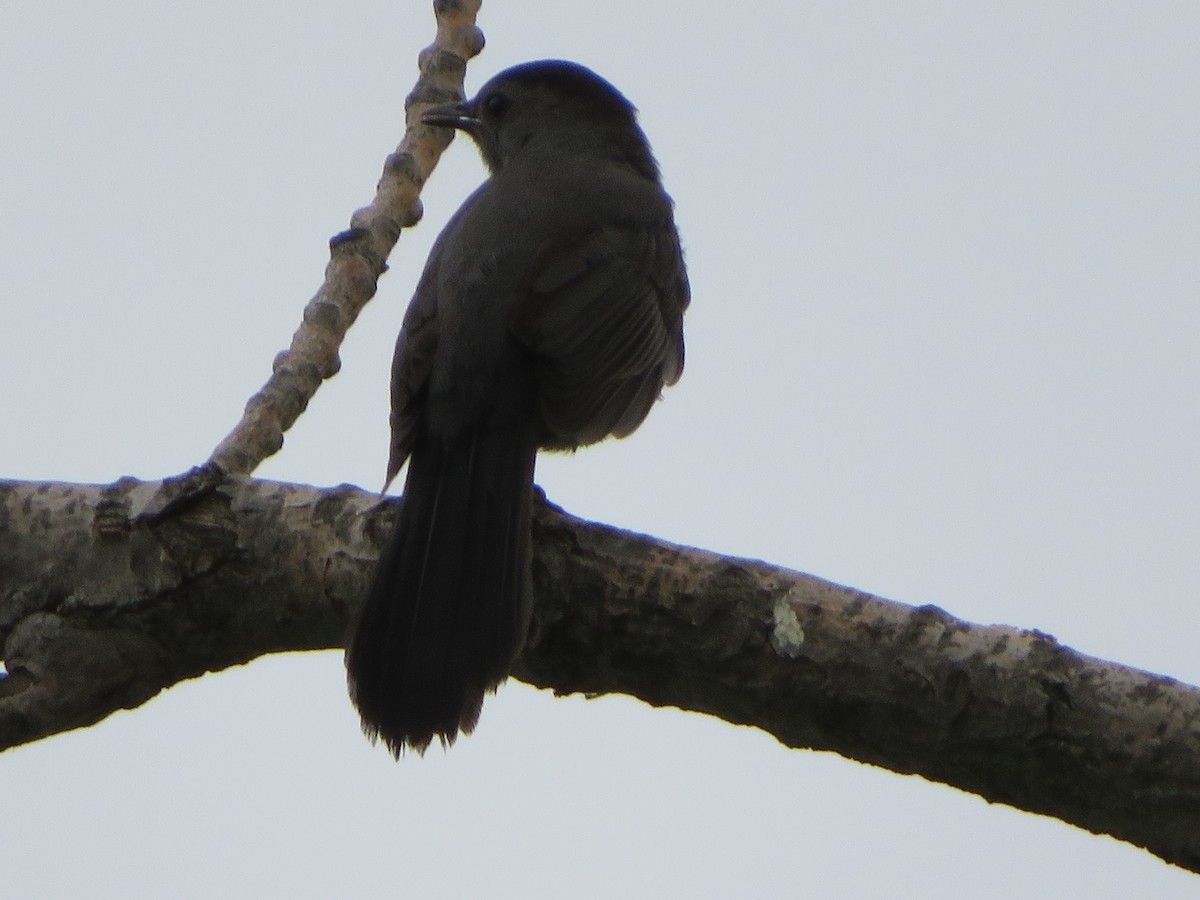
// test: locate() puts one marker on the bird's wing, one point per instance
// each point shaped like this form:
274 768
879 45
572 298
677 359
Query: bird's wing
412 363
604 320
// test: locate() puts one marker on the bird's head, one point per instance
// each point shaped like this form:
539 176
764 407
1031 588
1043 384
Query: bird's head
549 104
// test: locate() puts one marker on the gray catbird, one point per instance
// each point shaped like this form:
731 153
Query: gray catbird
549 314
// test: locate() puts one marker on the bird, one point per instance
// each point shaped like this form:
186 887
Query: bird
549 315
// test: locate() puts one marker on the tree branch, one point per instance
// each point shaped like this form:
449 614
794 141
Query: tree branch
357 256
106 598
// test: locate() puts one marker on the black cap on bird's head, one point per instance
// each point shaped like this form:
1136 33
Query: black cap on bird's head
553 100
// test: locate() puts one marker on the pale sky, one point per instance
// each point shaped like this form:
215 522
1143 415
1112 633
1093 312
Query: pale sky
944 346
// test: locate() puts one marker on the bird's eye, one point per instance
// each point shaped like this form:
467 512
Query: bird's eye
495 105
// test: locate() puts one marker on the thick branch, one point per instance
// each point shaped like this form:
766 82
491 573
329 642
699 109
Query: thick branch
105 599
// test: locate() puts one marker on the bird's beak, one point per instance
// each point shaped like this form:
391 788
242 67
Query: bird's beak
452 115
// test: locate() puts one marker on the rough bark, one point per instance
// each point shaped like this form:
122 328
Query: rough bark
359 255
108 594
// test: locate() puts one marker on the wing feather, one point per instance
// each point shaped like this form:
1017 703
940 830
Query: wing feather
604 321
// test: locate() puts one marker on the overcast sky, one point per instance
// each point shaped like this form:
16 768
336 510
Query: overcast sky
944 346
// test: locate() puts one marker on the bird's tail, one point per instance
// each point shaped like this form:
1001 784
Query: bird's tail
450 604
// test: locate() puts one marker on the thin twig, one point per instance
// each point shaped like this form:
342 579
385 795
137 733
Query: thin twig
357 256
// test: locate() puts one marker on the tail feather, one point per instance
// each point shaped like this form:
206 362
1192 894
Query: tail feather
450 604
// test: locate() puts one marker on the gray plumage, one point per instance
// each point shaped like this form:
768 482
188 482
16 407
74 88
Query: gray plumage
549 315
